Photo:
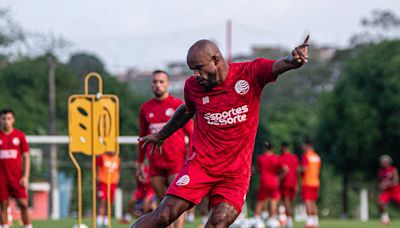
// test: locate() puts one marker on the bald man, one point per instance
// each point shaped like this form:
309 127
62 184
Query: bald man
224 99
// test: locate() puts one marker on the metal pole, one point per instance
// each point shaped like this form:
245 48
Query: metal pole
229 40
52 131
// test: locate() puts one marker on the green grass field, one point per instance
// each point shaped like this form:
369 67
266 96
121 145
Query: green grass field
323 224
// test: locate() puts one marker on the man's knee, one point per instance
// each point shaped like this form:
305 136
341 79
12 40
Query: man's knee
166 214
4 204
220 220
22 204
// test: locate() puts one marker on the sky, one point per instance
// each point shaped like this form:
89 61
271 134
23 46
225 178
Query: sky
149 34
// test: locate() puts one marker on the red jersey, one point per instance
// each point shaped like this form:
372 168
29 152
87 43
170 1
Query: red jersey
386 176
226 117
292 162
154 114
269 166
12 146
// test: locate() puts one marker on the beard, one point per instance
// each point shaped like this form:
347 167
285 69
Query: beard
211 82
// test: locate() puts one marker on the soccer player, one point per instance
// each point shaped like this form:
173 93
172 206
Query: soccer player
14 168
166 162
145 194
311 165
224 99
271 171
106 163
289 182
389 185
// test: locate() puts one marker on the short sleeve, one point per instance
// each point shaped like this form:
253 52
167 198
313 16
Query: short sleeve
261 70
188 98
24 144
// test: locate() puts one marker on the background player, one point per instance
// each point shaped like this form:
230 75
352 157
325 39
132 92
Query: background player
271 171
14 168
154 114
288 184
224 99
389 185
311 165
108 162
143 194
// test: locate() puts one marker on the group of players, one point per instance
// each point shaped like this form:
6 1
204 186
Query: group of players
279 182
219 117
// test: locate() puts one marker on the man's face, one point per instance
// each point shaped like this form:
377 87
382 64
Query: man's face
160 84
7 121
204 71
384 163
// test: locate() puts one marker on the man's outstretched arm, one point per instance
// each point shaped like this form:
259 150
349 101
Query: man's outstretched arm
297 58
181 116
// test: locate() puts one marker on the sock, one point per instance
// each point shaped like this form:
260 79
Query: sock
190 217
385 217
128 217
289 221
5 226
28 226
204 219
106 220
315 220
100 220
309 221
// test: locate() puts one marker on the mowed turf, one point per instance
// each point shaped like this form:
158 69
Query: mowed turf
323 224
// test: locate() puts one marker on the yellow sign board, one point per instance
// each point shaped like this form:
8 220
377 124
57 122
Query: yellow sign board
93 123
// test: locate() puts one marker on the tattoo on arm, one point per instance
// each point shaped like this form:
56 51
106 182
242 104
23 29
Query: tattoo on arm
178 120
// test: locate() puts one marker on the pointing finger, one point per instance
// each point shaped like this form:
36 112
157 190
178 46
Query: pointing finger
306 40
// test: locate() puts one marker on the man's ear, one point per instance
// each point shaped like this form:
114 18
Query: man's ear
216 59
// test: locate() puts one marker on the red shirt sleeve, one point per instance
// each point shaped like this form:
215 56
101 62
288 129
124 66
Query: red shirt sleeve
142 132
261 70
188 102
24 144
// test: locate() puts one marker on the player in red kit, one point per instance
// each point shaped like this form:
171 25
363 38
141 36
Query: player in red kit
143 194
271 171
14 168
289 182
167 161
224 99
389 185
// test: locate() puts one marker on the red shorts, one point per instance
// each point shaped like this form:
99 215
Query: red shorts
13 189
309 193
140 194
164 172
390 194
102 191
193 183
267 192
289 192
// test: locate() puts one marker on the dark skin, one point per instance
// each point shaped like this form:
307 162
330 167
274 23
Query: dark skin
209 69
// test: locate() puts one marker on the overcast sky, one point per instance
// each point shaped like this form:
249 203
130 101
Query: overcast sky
150 33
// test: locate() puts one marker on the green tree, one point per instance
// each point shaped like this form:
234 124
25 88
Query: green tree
360 119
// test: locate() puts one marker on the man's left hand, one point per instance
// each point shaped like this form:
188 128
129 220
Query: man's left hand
24 182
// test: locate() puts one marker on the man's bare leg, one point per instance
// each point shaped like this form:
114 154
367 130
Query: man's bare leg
259 208
222 215
160 186
180 222
167 212
3 210
23 206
